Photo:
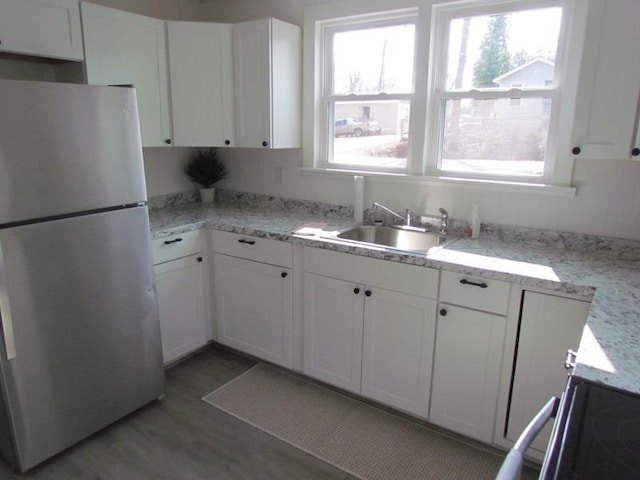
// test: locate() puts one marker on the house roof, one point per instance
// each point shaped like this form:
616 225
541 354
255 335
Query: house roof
524 66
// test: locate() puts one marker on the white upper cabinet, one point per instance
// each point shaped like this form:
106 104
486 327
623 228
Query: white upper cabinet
267 66
201 80
43 28
126 49
607 101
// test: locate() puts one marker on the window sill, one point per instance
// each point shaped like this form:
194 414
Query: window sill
469 184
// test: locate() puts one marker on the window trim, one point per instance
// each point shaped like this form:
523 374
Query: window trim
438 93
326 113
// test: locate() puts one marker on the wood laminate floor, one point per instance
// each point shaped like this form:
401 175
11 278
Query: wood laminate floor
183 438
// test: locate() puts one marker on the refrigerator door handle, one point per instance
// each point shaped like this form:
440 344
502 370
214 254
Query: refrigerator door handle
5 311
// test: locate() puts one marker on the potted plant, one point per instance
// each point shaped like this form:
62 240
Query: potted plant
205 169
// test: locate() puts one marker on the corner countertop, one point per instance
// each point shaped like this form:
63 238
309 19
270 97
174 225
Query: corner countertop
607 269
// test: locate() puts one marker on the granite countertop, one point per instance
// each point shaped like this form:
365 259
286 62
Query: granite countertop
607 270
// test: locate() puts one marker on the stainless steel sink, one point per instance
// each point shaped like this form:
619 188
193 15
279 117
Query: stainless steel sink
407 240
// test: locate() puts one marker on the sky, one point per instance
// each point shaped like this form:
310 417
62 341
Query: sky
360 52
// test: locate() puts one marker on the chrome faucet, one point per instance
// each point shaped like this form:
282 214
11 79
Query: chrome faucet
408 217
444 220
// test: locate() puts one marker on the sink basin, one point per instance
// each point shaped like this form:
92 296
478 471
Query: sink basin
393 238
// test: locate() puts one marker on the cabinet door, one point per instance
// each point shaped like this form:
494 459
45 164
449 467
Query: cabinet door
333 316
607 99
180 291
252 77
466 372
397 352
126 49
254 308
549 327
45 28
200 72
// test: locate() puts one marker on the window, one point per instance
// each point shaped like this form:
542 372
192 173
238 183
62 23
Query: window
494 92
462 90
368 92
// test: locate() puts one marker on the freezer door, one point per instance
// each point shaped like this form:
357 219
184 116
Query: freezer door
67 148
79 295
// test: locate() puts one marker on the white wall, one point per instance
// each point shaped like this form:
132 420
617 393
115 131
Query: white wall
164 9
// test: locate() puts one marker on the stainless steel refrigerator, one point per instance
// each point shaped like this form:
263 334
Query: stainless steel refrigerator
80 340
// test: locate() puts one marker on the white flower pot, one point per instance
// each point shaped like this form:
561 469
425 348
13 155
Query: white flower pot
207 194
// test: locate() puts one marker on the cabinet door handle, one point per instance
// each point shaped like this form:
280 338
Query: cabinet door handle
199 259
168 141
570 362
283 274
635 152
227 142
443 312
248 242
367 293
356 290
576 150
265 144
464 281
175 240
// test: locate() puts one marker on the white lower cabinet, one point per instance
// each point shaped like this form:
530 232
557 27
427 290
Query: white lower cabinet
466 373
180 290
364 336
253 303
333 319
397 352
550 325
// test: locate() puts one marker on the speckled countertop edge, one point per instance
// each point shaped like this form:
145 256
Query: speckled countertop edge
609 351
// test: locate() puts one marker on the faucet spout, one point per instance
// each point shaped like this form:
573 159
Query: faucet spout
408 217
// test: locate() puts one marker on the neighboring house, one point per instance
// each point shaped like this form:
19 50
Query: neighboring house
537 72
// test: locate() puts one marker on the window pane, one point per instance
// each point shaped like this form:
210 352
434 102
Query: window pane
371 134
516 49
373 60
496 136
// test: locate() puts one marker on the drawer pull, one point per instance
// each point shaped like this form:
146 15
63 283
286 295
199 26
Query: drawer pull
175 240
283 274
570 362
248 242
464 281
443 312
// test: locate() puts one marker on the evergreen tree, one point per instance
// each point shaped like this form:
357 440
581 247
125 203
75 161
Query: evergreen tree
494 55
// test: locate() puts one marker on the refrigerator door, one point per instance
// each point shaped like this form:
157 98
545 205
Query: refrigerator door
67 148
78 295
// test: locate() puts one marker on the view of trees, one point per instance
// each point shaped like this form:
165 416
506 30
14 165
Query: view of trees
495 58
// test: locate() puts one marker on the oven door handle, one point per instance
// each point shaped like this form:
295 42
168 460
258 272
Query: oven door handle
512 465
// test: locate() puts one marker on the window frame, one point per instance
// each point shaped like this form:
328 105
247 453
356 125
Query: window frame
438 94
420 169
327 100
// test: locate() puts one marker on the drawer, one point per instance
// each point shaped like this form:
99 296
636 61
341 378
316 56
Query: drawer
398 277
475 292
262 250
175 246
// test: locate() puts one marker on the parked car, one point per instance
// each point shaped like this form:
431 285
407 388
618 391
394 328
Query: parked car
349 127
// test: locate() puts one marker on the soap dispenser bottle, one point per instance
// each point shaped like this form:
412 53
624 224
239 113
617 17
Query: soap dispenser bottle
472 229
